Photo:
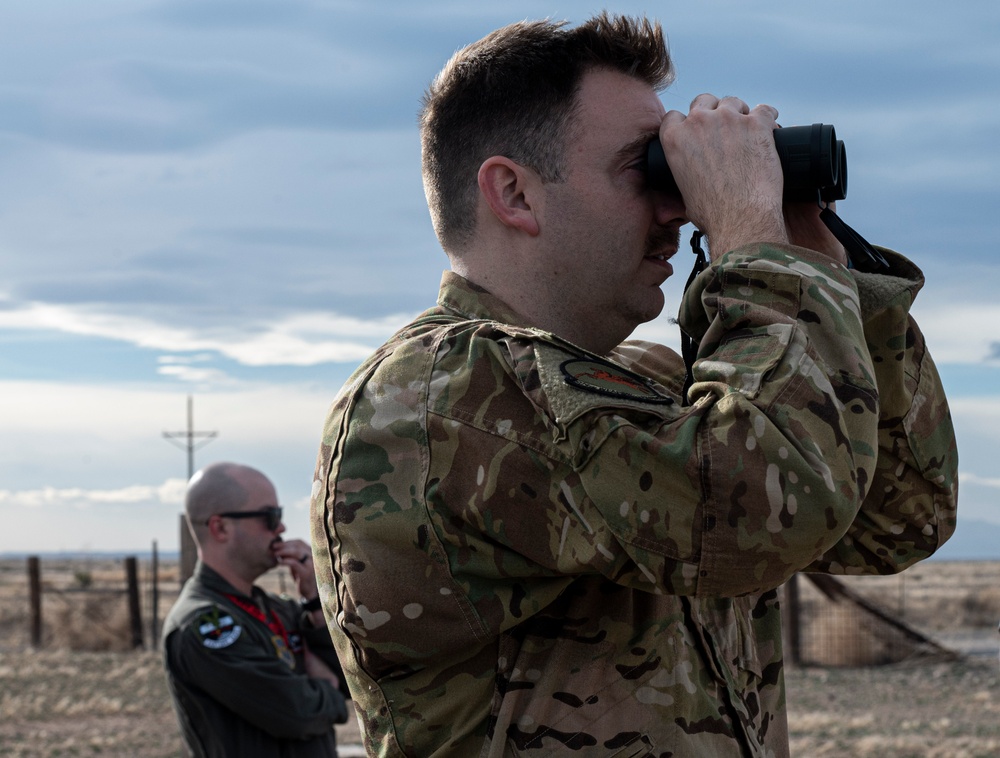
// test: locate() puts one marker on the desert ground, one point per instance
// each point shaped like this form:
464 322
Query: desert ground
864 688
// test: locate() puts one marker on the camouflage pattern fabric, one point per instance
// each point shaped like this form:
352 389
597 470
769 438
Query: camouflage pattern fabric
526 550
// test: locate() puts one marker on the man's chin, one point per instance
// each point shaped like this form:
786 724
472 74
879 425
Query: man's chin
651 308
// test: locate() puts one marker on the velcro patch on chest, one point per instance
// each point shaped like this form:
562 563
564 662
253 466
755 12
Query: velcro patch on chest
605 378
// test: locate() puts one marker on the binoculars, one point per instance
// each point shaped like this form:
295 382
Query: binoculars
813 162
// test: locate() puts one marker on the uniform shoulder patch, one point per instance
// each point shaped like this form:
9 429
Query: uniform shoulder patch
605 378
218 629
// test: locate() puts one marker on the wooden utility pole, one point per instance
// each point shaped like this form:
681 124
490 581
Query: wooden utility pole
188 552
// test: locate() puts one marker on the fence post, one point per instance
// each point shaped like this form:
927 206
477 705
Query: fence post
135 618
35 592
154 627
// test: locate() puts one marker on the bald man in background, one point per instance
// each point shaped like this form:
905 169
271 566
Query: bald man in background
251 673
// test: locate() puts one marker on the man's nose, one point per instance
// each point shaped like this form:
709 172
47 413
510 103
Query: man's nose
668 209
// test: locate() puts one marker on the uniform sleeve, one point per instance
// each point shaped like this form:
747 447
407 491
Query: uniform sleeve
766 468
817 437
910 510
250 680
318 641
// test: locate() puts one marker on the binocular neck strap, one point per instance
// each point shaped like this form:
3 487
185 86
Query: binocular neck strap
689 347
861 256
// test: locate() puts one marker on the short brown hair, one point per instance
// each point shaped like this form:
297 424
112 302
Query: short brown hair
513 93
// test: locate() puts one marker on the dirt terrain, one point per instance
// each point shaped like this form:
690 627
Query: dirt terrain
84 693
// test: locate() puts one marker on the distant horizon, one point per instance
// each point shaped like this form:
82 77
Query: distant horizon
974 541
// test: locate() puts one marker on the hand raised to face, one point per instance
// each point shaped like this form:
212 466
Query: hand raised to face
297 556
723 159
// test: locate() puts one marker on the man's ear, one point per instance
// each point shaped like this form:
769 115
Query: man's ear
218 529
509 190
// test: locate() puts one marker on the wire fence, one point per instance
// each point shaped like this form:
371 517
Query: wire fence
118 604
84 604
95 604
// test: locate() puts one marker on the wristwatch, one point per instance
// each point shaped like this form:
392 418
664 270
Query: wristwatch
312 605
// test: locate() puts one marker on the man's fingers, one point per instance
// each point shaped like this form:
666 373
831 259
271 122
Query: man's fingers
705 100
735 103
767 110
708 101
673 117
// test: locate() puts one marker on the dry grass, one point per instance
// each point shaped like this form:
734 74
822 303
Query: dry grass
83 695
91 622
68 703
943 710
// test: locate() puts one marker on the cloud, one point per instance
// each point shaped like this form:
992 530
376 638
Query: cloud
966 478
190 75
88 464
125 519
303 339
961 332
206 377
170 492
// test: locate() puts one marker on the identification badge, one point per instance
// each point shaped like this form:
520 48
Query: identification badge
285 655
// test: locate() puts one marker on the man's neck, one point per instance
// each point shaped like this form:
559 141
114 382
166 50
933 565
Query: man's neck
531 309
240 583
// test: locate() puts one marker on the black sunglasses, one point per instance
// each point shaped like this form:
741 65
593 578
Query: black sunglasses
271 514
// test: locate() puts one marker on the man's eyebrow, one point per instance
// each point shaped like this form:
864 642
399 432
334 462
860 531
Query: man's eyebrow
636 146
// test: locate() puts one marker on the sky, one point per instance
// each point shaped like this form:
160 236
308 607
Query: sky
221 199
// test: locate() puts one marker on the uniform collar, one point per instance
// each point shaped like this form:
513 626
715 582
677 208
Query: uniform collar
212 580
459 295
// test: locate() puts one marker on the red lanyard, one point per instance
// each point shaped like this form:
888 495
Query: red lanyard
271 619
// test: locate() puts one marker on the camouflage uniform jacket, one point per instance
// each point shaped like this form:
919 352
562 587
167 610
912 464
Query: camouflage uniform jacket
527 550
237 689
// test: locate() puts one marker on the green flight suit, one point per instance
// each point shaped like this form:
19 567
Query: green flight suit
238 689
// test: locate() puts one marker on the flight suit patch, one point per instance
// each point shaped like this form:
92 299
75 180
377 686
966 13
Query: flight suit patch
605 378
217 631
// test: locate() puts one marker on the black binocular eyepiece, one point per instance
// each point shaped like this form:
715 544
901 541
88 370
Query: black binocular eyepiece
813 162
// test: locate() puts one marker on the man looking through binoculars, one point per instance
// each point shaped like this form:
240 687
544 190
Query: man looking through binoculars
530 537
